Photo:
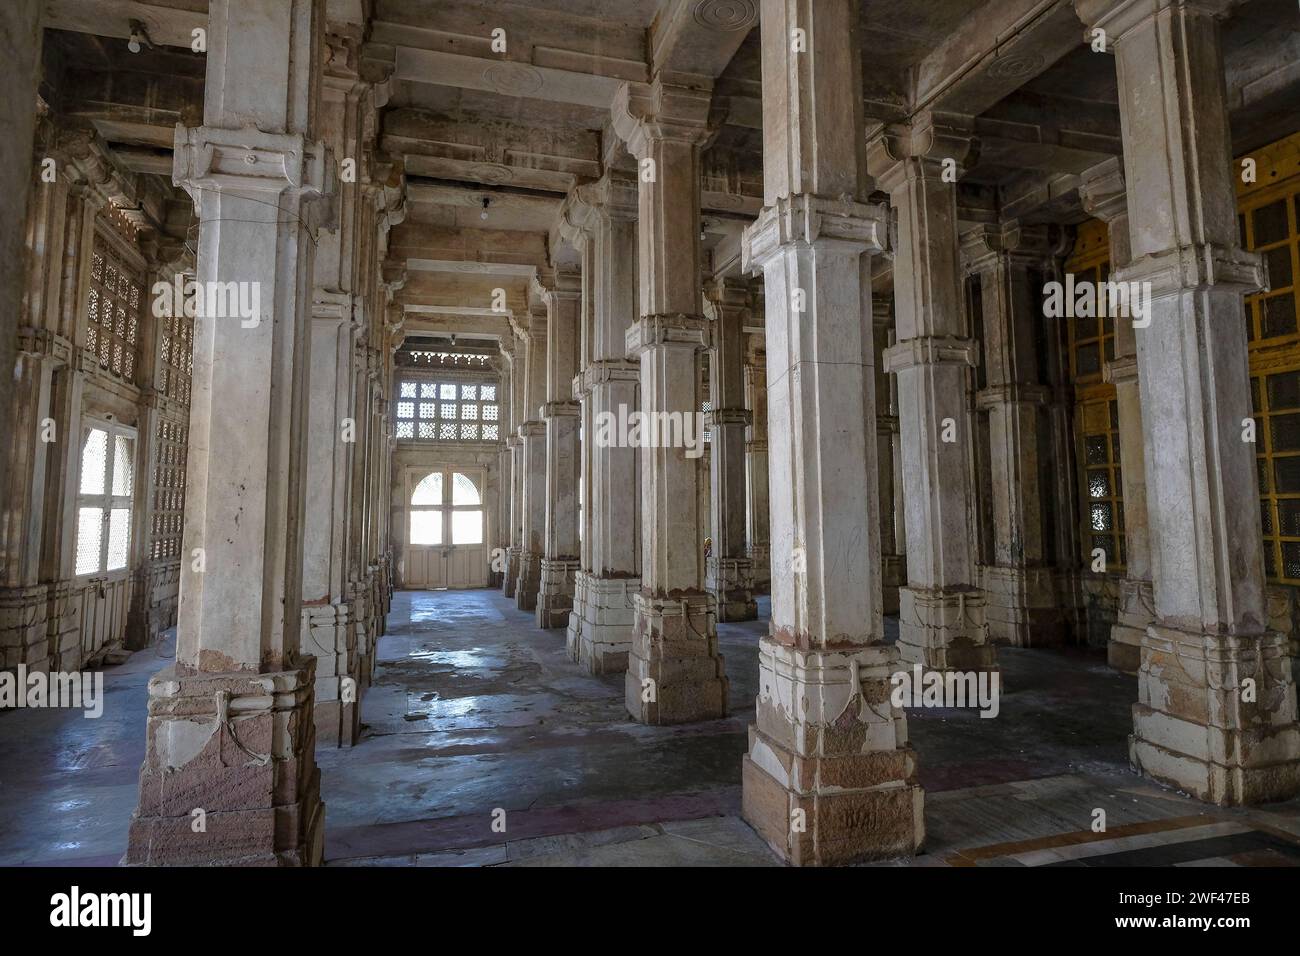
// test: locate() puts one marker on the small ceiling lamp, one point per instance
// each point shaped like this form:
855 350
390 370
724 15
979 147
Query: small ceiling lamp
139 38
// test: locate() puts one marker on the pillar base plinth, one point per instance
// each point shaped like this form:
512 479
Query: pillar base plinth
529 580
829 778
510 579
240 747
1021 608
674 671
330 634
944 630
1199 726
760 557
731 581
1136 612
608 620
893 575
573 633
555 591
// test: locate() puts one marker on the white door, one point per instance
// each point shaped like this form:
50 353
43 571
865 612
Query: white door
445 530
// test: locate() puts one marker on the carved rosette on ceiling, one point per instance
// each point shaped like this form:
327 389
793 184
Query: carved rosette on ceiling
1017 65
726 15
514 79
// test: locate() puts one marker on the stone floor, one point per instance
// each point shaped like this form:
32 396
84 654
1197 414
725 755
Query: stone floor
474 710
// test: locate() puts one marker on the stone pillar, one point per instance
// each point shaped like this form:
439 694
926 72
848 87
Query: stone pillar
675 673
729 570
893 563
1103 196
757 507
230 726
329 631
1011 261
575 216
561 415
518 379
941 610
20 51
601 640
505 464
337 431
532 460
1216 711
829 777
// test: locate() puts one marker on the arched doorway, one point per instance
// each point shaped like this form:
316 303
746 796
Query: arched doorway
446 530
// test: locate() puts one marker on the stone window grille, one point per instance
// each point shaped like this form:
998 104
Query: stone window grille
114 306
445 410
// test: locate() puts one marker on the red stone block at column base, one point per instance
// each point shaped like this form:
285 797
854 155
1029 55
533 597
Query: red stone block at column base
1193 727
675 646
830 778
253 774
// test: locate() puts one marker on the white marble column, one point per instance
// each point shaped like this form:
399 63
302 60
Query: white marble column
1103 196
532 461
561 414
505 465
1011 262
601 640
230 726
518 379
675 673
757 507
829 777
1216 711
729 570
941 610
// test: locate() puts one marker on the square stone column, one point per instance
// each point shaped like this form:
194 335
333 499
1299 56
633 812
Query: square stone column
515 414
893 562
230 728
942 610
729 570
600 629
675 672
1011 262
829 777
329 630
1103 195
562 291
532 461
505 465
758 537
1216 711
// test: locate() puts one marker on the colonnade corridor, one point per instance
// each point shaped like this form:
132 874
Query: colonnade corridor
473 711
651 434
